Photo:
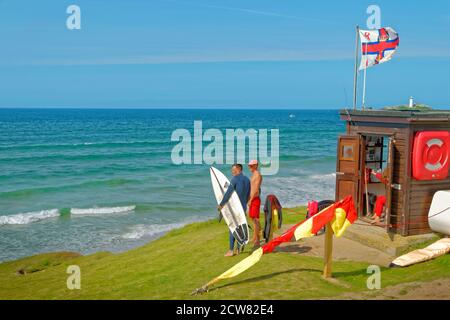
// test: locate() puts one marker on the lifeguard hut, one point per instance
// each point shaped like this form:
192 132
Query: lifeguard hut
412 147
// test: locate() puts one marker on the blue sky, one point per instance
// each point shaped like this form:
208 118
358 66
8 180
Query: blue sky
216 53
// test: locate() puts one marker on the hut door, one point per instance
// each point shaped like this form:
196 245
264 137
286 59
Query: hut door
390 165
347 167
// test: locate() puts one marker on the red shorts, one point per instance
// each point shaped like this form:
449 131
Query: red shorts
255 206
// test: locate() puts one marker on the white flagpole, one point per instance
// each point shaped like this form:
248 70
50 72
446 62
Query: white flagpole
364 83
355 80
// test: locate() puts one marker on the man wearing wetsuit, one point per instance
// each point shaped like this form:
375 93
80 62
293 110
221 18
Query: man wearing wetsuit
241 184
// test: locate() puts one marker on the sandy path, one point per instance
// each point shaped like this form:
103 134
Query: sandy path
343 249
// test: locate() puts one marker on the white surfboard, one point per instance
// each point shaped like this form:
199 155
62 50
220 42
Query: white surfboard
439 214
232 212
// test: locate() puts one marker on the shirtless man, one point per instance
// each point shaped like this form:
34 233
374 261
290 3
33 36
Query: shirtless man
254 202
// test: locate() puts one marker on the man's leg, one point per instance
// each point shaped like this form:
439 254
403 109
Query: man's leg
256 230
230 252
379 205
372 201
254 215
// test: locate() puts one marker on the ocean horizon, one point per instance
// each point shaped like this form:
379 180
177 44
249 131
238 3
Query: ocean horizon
96 179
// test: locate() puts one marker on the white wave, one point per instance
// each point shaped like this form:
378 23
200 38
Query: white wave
84 144
28 217
101 210
297 191
142 230
324 176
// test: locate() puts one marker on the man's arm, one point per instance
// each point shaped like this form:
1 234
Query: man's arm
228 193
379 176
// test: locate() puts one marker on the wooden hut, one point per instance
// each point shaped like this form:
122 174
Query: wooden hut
388 141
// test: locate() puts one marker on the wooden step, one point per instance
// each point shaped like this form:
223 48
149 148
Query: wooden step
390 243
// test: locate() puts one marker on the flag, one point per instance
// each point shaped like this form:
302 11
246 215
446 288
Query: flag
341 214
377 46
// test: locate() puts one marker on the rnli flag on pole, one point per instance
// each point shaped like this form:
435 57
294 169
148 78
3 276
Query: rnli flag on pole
377 46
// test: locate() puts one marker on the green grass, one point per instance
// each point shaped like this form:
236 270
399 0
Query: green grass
416 107
185 259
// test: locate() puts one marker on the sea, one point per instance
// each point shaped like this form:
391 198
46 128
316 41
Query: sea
89 180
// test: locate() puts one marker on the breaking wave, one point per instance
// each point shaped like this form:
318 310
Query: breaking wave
29 217
101 210
294 191
141 230
326 176
34 216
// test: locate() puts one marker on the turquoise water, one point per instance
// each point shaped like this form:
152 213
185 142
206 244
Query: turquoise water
116 165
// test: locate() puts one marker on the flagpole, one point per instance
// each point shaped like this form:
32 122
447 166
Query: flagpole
364 84
355 80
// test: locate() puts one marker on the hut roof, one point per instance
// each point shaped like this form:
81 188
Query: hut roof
395 116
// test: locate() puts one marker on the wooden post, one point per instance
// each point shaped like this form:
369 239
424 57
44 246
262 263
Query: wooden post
328 256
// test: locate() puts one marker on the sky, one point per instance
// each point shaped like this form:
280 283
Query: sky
217 54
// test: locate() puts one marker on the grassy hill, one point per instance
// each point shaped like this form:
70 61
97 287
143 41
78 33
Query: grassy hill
184 259
416 107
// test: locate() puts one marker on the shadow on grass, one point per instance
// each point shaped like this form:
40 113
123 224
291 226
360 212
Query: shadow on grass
294 249
336 275
359 272
265 277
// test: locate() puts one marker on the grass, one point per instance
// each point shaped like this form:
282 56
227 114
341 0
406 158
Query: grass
416 107
185 259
